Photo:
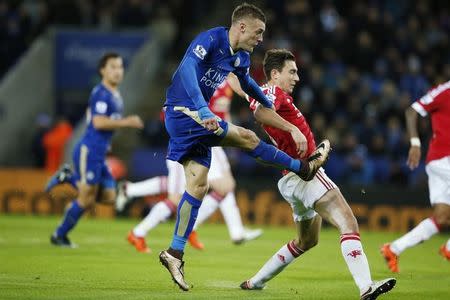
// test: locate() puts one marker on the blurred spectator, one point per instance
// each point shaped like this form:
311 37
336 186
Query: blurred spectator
54 141
134 13
359 68
359 79
42 126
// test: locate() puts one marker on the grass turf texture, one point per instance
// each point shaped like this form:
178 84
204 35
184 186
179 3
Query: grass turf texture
106 266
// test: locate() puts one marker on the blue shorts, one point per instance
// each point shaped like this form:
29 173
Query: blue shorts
188 138
91 169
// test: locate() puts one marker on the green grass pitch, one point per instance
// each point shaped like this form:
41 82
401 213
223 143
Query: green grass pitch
106 267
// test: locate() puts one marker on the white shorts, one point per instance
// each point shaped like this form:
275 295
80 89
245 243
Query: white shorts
176 181
439 180
302 195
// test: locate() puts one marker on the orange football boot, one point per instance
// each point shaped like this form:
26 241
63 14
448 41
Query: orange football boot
390 257
193 240
444 252
138 242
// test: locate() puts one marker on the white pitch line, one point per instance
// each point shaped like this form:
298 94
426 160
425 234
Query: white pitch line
223 284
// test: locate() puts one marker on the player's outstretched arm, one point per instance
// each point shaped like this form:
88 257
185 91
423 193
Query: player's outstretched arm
269 117
233 80
414 150
251 88
105 123
188 75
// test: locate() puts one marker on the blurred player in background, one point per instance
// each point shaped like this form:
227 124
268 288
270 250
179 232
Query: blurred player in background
436 103
194 129
104 115
220 180
310 200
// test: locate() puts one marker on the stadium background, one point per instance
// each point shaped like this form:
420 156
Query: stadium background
361 64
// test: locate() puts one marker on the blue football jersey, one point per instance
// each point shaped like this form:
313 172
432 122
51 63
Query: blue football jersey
101 102
215 60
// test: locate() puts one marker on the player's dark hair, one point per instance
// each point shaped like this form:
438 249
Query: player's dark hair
104 60
247 10
274 60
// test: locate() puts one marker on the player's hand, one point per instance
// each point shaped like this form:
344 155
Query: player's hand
134 121
211 124
208 118
300 142
413 157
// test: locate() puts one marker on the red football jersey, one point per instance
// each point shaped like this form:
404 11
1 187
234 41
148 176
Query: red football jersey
285 107
221 100
437 103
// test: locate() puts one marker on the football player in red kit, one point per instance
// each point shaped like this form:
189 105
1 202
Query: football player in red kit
435 103
310 200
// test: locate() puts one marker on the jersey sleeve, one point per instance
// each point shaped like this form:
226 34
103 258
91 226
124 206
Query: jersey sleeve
429 102
100 104
202 46
270 95
276 96
197 52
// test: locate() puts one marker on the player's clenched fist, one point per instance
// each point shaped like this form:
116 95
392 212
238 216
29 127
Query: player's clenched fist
208 118
211 124
300 142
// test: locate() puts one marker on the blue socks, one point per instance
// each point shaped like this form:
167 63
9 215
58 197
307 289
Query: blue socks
73 214
270 155
186 216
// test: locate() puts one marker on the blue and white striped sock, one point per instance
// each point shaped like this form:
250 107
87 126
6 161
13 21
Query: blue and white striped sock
186 216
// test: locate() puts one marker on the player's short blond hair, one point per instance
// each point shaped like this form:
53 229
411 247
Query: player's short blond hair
246 10
274 60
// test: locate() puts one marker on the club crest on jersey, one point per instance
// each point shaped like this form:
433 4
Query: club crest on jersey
237 62
90 175
101 107
199 51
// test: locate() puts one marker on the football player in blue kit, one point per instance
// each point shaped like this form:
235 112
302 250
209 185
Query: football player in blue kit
193 128
104 115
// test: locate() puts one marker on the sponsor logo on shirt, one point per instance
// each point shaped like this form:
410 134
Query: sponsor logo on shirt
199 51
213 78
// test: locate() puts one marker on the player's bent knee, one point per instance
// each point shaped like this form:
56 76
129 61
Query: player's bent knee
249 138
223 187
230 184
198 191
